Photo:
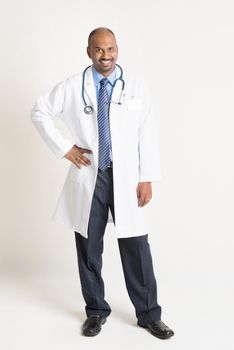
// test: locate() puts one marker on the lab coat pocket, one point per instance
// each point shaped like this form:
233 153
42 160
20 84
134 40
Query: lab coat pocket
76 174
133 104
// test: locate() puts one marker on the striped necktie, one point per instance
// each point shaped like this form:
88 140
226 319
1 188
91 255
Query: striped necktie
104 136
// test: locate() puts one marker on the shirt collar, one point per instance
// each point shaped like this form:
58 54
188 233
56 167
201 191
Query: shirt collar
97 76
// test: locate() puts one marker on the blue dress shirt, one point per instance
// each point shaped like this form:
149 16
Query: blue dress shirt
97 77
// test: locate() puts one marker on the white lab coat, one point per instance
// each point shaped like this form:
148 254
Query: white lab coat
135 150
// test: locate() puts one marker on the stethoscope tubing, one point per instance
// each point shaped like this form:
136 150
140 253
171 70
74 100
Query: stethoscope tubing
89 109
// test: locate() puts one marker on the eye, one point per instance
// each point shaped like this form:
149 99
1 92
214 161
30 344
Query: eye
98 50
111 49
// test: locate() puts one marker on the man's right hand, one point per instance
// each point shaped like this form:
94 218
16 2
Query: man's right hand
76 156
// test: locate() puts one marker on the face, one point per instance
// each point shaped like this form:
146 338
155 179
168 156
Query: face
103 52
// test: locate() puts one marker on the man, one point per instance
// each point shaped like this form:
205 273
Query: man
114 159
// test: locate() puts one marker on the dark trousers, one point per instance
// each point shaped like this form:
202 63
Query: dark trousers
135 257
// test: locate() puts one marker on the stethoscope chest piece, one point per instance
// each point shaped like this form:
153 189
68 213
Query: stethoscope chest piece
88 109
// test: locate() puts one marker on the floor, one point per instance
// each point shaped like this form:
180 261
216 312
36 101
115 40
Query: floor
47 313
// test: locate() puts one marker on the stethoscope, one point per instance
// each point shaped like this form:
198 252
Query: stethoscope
88 109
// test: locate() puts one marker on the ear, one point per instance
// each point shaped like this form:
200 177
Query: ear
88 52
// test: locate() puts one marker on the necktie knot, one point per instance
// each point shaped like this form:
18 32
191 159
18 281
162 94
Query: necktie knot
103 81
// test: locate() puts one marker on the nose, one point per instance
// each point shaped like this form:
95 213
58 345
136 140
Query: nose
105 55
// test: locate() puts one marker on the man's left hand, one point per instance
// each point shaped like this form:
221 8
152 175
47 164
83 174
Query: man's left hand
144 193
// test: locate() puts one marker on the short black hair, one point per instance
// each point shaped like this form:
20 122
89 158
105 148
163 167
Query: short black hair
91 34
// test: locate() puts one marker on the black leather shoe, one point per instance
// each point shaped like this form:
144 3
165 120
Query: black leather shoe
93 324
158 329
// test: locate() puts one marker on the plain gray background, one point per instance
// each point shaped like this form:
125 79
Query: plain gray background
185 51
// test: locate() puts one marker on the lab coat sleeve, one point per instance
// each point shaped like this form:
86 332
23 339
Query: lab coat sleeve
148 145
42 114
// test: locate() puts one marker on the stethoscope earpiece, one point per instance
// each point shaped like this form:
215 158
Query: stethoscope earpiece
89 109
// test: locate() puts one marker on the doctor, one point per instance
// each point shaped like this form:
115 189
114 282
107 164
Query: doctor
113 160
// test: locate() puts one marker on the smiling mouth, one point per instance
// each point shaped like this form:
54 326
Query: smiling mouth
105 62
